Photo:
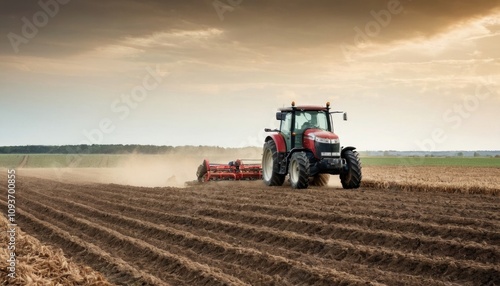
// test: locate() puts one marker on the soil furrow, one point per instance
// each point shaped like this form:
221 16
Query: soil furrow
115 269
141 254
404 242
336 250
334 198
145 229
438 216
401 241
396 225
451 214
179 243
292 270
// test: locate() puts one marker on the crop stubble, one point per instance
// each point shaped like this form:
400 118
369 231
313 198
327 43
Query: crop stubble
242 233
451 179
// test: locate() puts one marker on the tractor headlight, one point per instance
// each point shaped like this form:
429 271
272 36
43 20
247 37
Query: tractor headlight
322 140
326 141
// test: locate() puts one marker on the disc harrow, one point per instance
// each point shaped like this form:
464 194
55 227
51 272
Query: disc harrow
240 169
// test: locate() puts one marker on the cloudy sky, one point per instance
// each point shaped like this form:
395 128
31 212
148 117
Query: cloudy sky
413 75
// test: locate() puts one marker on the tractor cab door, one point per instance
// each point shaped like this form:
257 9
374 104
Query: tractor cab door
286 130
302 122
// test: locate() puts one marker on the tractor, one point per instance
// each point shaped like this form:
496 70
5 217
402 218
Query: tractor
307 150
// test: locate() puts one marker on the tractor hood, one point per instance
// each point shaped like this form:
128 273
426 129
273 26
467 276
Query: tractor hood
321 136
323 144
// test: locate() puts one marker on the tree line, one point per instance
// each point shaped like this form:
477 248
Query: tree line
90 149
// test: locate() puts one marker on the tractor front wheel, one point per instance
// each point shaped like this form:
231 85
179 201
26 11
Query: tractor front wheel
351 178
270 165
299 171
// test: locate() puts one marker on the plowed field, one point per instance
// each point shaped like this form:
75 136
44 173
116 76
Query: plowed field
243 233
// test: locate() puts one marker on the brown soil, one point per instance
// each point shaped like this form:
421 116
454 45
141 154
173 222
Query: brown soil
243 233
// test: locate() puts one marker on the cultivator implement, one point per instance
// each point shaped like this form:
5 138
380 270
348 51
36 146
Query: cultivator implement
241 169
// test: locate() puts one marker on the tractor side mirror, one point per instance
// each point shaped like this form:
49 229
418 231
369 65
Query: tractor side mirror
345 116
280 116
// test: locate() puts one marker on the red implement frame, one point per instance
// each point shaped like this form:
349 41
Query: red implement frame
233 171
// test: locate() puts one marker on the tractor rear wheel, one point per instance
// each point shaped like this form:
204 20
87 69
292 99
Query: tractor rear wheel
270 165
299 170
351 178
320 180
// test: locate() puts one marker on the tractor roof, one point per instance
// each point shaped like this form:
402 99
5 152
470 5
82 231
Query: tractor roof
305 108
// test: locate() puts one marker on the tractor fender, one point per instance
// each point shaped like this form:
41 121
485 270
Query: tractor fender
279 141
346 149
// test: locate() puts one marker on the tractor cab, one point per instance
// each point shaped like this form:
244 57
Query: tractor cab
311 128
295 123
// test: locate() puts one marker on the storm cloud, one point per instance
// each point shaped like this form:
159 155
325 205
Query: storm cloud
78 26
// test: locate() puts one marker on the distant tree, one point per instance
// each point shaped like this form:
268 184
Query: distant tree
460 154
476 154
96 149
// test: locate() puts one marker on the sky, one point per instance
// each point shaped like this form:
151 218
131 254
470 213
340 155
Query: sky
412 75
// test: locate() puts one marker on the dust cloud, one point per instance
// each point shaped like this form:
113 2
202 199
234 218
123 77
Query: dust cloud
173 169
156 170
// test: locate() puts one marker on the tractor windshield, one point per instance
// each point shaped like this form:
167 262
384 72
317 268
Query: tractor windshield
311 119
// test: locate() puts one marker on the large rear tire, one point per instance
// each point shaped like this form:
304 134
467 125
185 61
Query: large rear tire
270 165
351 178
320 180
299 170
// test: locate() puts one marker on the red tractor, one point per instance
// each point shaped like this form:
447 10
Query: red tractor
306 149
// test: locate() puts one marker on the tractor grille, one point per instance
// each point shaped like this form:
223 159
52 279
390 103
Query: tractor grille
327 149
